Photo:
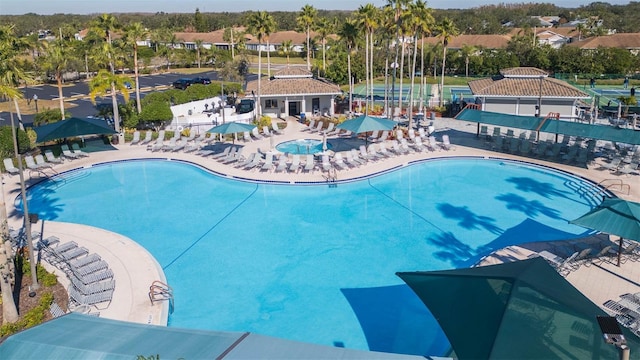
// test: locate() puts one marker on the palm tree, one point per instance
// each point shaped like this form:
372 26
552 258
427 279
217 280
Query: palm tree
11 74
57 59
349 33
270 26
259 26
306 20
324 28
286 48
421 22
134 33
198 43
446 29
231 36
367 21
106 24
467 51
106 82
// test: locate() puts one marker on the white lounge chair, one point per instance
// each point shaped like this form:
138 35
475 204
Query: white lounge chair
9 167
384 151
613 165
191 137
446 143
374 136
265 131
418 145
76 150
309 164
268 162
41 162
412 135
317 128
295 163
170 145
68 154
282 163
31 163
311 125
136 138
52 158
246 136
373 152
383 136
256 134
329 128
339 163
255 161
222 154
275 128
247 161
350 161
433 144
148 137
404 146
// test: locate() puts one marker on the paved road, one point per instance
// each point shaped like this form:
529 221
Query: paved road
77 92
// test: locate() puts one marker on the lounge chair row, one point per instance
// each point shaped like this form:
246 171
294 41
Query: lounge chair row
626 310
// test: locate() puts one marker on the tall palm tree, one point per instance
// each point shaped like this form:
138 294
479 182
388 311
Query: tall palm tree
134 33
58 59
421 22
324 28
349 33
106 24
398 7
198 44
104 83
11 73
467 51
270 26
446 29
286 48
307 20
367 21
258 26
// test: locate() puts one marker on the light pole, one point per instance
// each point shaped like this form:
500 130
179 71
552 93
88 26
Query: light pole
539 107
35 100
25 209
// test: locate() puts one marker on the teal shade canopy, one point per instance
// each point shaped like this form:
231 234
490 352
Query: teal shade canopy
365 123
613 216
72 127
231 128
517 310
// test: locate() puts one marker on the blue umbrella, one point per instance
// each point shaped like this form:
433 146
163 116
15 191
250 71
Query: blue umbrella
231 128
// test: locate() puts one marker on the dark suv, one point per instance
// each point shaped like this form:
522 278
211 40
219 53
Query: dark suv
182 83
201 80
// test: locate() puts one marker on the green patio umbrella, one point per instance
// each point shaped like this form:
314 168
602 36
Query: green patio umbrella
516 310
365 123
614 216
231 128
72 127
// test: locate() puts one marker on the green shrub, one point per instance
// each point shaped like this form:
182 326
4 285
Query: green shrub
6 141
33 317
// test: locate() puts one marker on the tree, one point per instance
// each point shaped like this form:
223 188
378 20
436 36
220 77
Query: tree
367 21
286 48
349 33
106 24
57 59
134 33
421 22
106 82
467 51
198 43
259 23
446 29
324 28
306 20
199 23
11 74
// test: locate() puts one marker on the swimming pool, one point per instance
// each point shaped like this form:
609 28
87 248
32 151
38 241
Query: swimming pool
301 146
317 263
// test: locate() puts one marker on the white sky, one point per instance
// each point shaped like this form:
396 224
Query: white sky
99 6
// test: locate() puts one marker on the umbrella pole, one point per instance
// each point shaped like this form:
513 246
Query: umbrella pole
619 251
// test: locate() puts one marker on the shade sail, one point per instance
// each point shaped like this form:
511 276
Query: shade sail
365 123
614 216
499 119
517 310
592 131
571 128
231 128
76 336
72 127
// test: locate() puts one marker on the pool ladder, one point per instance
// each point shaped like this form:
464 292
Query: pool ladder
332 177
159 291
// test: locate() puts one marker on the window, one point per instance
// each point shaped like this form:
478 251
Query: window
271 104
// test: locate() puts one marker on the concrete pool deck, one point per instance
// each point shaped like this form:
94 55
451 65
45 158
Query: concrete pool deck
135 269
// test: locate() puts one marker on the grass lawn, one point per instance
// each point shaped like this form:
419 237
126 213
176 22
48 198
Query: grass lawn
29 109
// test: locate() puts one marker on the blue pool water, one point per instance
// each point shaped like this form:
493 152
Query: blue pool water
301 146
317 263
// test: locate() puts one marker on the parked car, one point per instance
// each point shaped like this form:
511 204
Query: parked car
182 83
201 80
